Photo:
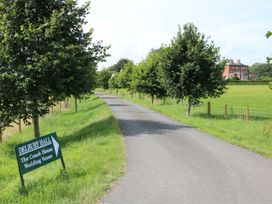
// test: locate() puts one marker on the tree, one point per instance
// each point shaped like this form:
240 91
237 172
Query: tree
103 78
44 48
121 76
120 65
137 83
268 34
151 79
114 82
193 69
261 71
125 75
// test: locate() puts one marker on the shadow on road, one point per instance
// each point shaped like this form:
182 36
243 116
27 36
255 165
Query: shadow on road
116 104
106 96
138 127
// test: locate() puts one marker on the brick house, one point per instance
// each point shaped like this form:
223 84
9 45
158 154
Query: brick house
236 69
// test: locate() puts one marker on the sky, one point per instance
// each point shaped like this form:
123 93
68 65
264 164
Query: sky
134 27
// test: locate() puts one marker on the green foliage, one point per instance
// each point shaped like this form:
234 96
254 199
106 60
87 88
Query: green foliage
10 106
121 78
125 75
120 65
251 82
193 68
114 82
93 151
148 76
103 78
45 55
137 82
260 71
235 78
270 85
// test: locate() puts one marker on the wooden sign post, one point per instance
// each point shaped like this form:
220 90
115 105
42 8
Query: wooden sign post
37 153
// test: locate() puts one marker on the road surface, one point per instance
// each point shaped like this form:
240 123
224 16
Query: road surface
171 163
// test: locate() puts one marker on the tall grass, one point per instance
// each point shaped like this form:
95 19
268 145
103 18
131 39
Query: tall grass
93 151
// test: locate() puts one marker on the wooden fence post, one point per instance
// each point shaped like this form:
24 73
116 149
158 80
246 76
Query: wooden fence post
226 111
66 102
209 108
247 115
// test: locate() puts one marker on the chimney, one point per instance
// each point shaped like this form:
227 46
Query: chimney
238 61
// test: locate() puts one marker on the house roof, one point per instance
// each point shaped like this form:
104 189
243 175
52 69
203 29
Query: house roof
238 63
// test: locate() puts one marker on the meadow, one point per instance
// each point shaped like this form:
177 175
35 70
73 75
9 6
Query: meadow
93 151
255 135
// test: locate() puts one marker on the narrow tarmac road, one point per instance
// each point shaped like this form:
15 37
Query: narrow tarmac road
171 163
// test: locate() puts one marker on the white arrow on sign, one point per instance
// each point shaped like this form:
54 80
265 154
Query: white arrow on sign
56 146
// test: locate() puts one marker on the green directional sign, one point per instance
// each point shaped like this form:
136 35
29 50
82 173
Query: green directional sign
38 152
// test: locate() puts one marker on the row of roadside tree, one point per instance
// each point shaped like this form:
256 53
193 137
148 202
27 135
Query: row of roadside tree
189 68
45 56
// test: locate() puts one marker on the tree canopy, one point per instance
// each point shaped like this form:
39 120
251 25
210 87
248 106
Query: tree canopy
103 78
114 82
125 76
120 65
150 78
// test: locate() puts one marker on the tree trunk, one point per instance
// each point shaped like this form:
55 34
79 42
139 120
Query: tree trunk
189 107
177 101
66 102
152 99
164 100
20 126
76 104
1 136
36 125
139 95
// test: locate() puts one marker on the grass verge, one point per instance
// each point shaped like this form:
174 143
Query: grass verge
93 151
256 136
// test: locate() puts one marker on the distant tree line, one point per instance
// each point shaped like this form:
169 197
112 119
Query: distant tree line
261 71
189 68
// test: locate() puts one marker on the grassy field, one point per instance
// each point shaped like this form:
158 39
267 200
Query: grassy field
255 135
93 151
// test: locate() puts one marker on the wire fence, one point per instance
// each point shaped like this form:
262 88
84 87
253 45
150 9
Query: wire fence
225 111
232 112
